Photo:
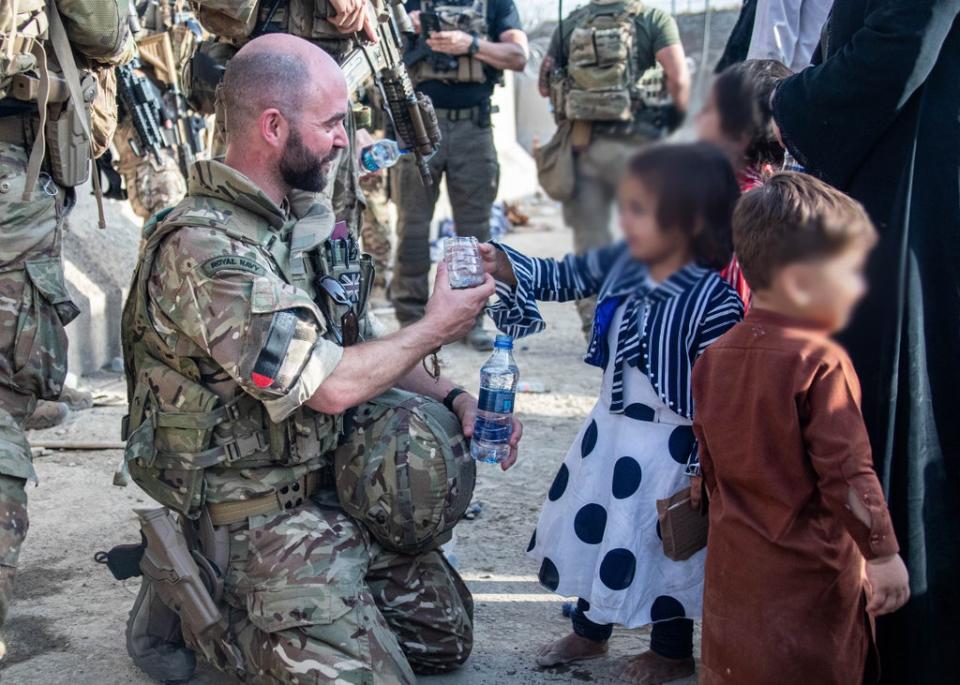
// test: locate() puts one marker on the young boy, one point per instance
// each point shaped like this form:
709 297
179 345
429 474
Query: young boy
795 506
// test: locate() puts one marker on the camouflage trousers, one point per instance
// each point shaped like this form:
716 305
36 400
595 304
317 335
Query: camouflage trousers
151 186
468 159
375 230
313 599
34 308
598 170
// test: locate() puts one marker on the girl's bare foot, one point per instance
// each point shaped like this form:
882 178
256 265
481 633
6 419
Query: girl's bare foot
650 668
568 649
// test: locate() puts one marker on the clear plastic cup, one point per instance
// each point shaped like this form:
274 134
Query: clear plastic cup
464 265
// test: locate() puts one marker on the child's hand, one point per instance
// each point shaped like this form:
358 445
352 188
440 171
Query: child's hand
496 263
888 585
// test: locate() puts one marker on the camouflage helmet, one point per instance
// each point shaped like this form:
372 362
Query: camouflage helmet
406 471
203 72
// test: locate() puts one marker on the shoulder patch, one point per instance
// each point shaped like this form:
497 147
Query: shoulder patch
215 265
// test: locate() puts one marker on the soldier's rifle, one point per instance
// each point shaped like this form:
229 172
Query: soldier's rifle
410 113
156 50
142 104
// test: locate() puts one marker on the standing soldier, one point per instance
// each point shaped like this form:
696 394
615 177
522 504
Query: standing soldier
153 169
56 113
458 59
597 74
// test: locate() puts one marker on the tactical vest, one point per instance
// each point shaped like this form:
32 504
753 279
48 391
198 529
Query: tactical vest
239 20
599 78
177 428
470 17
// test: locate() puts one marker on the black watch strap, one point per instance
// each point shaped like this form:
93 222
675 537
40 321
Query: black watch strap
451 396
474 46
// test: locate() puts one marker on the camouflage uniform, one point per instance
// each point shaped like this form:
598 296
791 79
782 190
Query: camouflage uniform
375 230
150 186
34 302
308 595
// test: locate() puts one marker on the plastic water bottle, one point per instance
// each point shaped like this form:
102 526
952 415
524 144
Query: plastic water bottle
498 385
381 155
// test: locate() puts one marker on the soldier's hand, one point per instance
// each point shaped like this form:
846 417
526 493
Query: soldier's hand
496 263
465 406
452 313
450 42
353 16
415 20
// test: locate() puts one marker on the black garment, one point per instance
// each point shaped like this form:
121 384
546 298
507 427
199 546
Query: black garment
880 119
669 639
502 16
738 44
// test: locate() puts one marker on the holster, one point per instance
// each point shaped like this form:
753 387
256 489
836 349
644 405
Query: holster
185 580
68 148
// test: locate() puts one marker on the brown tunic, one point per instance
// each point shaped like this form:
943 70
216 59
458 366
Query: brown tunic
783 447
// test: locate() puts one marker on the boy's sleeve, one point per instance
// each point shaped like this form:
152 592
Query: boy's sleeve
572 278
839 448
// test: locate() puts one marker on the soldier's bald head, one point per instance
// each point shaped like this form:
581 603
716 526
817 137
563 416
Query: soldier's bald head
277 71
285 104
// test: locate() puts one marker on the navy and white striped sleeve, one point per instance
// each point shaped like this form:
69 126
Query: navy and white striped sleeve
724 312
572 278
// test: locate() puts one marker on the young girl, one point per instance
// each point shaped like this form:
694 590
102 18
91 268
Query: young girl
660 304
738 119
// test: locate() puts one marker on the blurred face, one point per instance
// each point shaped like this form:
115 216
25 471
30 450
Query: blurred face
315 139
638 221
827 290
710 130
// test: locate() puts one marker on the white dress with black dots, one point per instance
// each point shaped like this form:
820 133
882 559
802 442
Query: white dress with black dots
598 536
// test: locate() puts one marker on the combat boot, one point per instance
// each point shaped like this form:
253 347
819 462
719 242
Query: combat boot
76 399
47 415
154 640
479 339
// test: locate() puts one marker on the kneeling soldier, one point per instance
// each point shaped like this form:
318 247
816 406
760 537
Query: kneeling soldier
312 468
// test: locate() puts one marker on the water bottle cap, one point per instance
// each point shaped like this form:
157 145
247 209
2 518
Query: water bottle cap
503 342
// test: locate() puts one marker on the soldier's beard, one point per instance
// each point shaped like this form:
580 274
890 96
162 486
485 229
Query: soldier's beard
302 170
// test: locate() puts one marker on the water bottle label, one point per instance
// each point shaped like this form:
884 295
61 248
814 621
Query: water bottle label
491 433
496 401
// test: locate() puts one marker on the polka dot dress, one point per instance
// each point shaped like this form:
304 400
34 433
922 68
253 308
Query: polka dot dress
598 537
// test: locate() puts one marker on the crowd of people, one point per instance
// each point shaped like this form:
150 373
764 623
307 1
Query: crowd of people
771 450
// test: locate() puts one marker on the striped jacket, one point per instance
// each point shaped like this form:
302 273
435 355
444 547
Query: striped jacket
663 331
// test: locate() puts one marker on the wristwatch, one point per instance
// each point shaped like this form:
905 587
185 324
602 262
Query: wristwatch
451 396
474 46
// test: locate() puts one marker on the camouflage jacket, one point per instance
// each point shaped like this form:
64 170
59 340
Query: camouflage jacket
216 277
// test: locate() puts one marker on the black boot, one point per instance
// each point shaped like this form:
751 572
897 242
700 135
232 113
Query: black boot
154 641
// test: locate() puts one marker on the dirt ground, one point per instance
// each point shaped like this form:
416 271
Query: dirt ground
68 619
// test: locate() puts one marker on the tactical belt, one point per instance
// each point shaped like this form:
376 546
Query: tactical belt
284 498
479 114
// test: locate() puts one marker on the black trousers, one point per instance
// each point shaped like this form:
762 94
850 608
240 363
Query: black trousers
669 639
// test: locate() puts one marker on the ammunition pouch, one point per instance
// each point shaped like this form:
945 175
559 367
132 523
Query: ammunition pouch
601 80
170 445
433 66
